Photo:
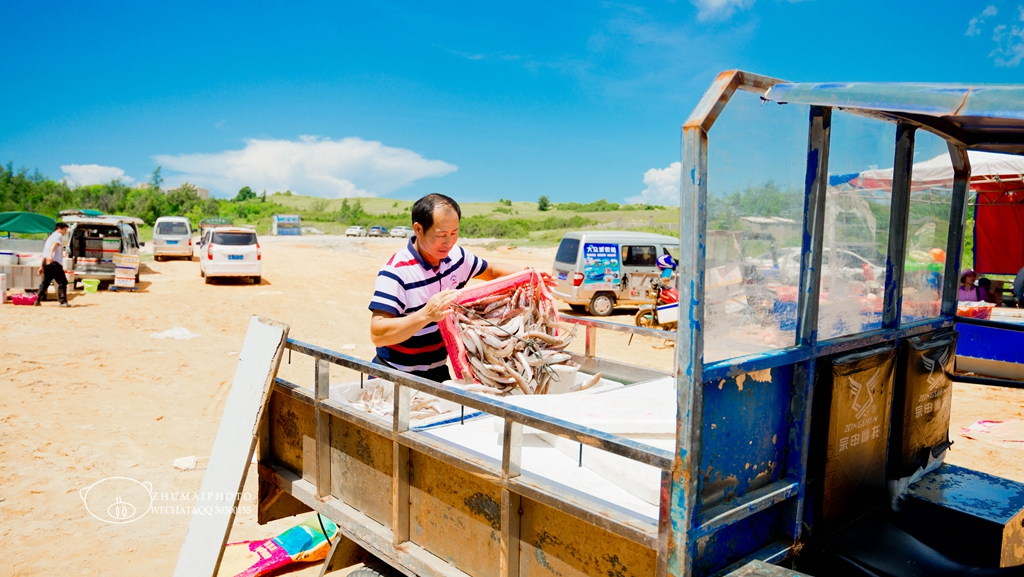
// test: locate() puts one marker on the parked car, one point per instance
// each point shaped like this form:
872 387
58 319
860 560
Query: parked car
401 231
355 231
378 231
92 242
172 236
597 271
231 252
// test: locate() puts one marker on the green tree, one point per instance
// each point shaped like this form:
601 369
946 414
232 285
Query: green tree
148 204
319 205
244 194
543 204
156 181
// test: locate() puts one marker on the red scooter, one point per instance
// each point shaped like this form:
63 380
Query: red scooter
664 314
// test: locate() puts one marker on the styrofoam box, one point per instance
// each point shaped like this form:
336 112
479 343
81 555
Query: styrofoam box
3 289
124 282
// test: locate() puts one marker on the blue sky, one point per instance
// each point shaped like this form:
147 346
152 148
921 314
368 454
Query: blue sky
573 100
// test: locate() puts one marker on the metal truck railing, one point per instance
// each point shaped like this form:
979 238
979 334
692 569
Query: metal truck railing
312 483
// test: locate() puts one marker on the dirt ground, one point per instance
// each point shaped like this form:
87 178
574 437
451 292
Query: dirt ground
88 394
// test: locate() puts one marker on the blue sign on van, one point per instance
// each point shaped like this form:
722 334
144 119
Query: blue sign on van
601 266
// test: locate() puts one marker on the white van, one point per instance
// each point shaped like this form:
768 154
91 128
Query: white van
597 270
172 236
230 251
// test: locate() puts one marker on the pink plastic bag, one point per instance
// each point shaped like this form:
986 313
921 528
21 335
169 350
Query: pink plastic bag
449 330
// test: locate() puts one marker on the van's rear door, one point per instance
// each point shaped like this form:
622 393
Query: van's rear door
565 266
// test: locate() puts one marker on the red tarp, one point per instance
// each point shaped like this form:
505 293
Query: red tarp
999 233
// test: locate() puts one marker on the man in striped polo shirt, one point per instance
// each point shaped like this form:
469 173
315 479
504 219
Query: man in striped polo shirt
417 286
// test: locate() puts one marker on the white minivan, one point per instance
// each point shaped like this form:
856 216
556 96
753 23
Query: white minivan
599 270
172 236
230 252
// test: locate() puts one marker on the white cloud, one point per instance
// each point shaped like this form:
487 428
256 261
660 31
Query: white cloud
719 9
86 174
973 27
1009 41
311 165
662 186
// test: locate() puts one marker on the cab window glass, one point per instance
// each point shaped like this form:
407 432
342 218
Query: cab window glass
567 251
172 228
234 238
639 255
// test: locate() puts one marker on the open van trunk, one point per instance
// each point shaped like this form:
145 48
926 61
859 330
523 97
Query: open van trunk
87 250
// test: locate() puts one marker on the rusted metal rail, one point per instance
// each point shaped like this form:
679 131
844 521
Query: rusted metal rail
307 452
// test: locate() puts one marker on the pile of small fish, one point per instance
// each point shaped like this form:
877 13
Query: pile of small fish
377 399
512 340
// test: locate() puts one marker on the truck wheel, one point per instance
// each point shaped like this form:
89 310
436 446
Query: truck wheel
157 258
602 304
375 568
578 308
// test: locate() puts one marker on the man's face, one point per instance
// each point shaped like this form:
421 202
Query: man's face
436 243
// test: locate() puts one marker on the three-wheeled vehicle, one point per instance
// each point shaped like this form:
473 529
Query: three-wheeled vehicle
816 443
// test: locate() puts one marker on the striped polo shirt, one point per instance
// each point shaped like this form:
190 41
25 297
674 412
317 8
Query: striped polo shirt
404 285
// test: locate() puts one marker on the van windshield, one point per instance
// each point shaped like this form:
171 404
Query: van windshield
234 238
567 251
172 228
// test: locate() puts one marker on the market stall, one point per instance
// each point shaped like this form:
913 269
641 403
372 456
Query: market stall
20 258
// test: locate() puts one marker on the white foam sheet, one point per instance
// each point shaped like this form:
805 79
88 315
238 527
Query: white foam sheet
640 480
644 412
641 409
540 459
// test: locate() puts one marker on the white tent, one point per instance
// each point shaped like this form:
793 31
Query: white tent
989 171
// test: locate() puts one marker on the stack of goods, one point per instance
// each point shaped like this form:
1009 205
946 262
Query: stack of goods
505 335
3 288
93 249
978 310
111 246
126 267
8 258
30 259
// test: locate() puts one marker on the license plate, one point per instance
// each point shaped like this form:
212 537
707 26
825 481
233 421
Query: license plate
563 276
172 242
235 257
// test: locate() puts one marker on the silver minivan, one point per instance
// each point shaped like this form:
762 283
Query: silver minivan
172 236
597 270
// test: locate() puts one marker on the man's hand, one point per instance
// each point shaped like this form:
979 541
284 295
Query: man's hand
40 270
439 305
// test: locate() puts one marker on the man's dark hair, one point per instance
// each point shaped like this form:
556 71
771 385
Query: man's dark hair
985 283
60 225
423 210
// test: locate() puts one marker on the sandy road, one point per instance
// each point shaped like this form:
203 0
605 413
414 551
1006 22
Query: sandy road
89 394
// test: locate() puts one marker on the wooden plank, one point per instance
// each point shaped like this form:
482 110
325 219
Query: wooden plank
258 361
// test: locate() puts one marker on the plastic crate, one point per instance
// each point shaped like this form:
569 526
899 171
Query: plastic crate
25 299
449 330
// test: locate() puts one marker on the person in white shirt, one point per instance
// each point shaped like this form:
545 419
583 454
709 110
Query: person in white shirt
52 268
